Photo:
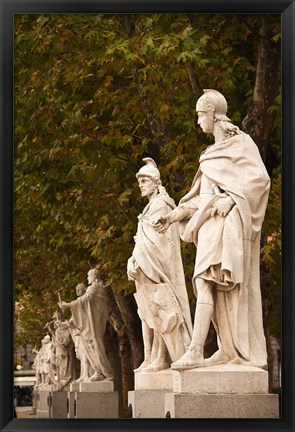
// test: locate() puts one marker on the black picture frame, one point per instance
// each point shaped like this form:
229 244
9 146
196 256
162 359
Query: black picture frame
287 11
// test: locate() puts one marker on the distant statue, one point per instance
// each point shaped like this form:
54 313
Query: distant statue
223 214
86 370
156 267
47 362
37 367
89 317
64 351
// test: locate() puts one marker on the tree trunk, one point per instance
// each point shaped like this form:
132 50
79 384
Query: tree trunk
259 120
259 124
132 322
119 344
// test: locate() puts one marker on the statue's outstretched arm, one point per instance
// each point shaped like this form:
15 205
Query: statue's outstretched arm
182 212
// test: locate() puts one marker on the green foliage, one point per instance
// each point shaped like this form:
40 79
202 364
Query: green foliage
94 94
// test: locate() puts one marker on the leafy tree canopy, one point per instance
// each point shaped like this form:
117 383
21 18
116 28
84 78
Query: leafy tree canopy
94 94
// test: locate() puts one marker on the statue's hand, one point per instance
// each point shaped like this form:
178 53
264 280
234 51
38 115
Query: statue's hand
63 305
162 224
132 275
223 206
132 270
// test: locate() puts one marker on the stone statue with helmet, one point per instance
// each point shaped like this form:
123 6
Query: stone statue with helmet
156 267
223 216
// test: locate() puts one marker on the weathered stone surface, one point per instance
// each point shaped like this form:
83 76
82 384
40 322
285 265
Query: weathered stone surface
147 404
96 405
226 379
104 386
161 380
74 387
59 404
71 404
183 405
43 403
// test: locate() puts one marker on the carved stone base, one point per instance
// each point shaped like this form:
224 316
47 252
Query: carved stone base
51 404
97 386
43 406
147 403
59 404
185 405
96 405
93 400
74 387
221 391
148 398
218 379
71 404
160 380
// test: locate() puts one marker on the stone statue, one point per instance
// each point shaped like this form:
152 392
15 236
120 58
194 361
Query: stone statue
222 214
89 317
47 362
156 267
37 367
86 370
64 351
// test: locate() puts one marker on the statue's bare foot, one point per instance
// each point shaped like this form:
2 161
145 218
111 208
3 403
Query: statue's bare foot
143 365
81 379
97 376
193 358
156 365
108 379
217 358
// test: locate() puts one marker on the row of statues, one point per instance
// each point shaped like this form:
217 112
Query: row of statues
222 216
80 338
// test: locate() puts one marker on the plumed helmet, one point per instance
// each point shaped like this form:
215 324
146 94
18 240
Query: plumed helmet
94 272
215 101
149 170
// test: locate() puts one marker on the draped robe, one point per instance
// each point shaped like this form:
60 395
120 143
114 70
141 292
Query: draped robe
89 316
160 291
228 248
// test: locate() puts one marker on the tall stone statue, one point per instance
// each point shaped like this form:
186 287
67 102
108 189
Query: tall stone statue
89 317
64 351
156 267
47 362
222 214
37 367
86 370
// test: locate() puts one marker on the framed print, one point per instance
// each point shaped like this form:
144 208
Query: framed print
147 183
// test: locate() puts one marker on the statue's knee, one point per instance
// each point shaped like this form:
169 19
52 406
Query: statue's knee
205 291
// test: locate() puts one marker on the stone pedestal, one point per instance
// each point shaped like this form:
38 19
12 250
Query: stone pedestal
189 405
59 404
43 403
222 391
97 405
104 386
34 401
93 400
74 387
148 398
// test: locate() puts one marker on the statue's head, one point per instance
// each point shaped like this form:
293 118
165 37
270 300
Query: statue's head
93 275
46 339
211 106
80 289
148 177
